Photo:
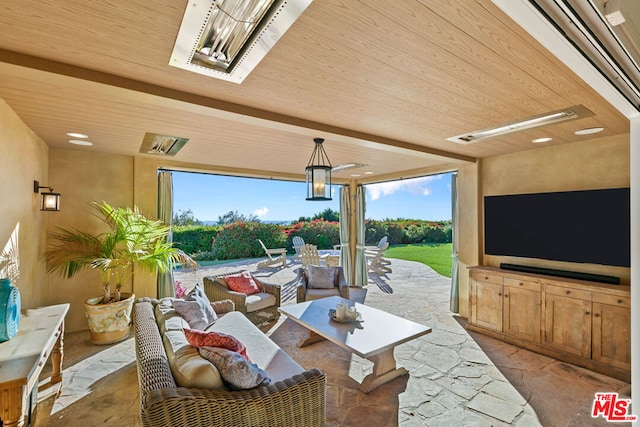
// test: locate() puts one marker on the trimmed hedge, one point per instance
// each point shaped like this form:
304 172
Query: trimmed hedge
240 239
194 238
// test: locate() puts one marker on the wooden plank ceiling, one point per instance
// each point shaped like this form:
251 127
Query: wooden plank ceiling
385 83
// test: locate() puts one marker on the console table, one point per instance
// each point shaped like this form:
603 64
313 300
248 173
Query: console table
577 321
22 358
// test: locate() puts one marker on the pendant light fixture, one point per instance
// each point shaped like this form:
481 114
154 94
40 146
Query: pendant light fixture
318 173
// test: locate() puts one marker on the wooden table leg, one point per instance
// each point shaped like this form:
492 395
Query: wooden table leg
311 338
57 354
13 404
384 370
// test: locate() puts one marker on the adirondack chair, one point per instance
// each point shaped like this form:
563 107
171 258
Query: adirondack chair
375 261
309 255
372 251
280 256
298 242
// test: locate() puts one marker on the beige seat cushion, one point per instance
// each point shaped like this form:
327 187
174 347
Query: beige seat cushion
260 349
167 317
260 301
189 369
321 293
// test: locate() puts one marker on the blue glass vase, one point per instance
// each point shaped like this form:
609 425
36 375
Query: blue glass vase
9 310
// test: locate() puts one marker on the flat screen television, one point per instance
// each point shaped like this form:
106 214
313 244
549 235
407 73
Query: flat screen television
591 226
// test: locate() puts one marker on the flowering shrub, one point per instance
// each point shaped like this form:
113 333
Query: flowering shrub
240 240
323 234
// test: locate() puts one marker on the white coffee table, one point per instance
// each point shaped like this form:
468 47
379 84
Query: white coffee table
374 338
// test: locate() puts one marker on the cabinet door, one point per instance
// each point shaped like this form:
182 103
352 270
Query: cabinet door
567 320
486 301
612 333
522 301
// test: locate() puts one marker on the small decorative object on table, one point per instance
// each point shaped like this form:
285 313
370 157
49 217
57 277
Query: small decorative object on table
342 313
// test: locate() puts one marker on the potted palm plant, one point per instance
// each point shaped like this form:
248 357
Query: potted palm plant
131 240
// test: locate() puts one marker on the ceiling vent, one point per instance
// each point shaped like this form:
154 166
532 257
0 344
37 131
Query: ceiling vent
571 113
226 39
162 145
606 33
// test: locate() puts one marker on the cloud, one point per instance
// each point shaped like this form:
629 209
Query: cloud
261 212
417 186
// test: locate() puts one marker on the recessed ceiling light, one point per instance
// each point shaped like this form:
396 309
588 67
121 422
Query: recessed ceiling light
355 175
77 135
539 140
571 113
588 131
80 142
368 173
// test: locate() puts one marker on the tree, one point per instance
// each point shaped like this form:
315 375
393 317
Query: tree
328 215
185 218
233 216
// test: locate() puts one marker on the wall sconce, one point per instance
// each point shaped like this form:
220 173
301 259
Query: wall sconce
318 173
50 200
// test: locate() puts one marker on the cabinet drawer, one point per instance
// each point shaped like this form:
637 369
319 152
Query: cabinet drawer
522 284
616 300
489 278
568 292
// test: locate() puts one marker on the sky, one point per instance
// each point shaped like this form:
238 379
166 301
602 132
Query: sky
211 196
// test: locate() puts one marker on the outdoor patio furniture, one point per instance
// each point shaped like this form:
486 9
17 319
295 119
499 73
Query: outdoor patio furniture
259 307
375 261
178 388
310 287
310 255
298 242
373 336
281 256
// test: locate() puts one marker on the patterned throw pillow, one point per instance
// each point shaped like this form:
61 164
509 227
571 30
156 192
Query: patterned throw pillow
196 309
242 282
179 289
215 339
193 313
234 369
321 277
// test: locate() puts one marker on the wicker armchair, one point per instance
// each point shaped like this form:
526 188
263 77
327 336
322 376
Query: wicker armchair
296 401
304 292
259 308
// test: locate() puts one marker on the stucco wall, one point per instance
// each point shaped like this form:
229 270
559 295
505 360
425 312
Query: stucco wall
594 164
24 159
83 177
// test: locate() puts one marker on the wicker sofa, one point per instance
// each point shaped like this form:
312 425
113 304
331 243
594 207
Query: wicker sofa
295 397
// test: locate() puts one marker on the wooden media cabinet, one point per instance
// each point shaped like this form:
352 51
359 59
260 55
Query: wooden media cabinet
576 321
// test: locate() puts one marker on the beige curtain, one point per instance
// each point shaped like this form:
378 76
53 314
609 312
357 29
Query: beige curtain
165 287
345 251
361 262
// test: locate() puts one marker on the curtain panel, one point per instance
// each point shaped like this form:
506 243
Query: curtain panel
165 284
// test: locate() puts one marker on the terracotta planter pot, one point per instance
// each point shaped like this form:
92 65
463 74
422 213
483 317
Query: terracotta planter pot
109 323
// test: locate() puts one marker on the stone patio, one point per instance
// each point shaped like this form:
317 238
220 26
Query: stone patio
457 378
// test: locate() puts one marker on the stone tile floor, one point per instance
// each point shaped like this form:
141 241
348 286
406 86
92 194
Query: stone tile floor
457 378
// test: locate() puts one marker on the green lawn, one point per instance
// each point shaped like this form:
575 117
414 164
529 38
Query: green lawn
435 255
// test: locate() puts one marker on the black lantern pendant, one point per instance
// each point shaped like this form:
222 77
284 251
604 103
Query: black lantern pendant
319 173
